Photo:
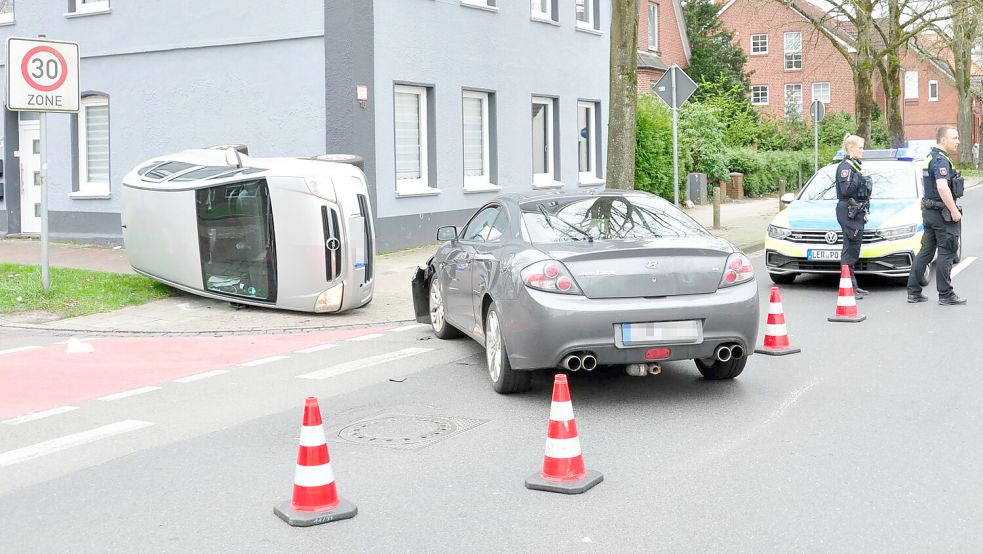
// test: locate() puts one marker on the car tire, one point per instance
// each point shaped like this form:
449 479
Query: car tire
438 322
715 370
505 380
782 278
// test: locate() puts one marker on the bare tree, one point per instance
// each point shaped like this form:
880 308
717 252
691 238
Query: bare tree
623 95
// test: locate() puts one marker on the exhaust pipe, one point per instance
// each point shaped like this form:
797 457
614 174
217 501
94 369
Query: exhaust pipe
737 351
636 370
588 362
723 353
572 362
654 369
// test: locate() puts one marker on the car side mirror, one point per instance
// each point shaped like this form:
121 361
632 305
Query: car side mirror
787 198
448 232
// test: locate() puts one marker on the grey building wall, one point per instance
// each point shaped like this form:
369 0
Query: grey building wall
179 75
450 47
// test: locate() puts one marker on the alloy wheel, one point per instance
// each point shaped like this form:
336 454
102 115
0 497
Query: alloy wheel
493 346
436 306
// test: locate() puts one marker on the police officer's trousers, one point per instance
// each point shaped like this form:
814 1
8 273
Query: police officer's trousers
853 236
944 236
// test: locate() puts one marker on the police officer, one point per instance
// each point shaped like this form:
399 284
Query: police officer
853 192
941 215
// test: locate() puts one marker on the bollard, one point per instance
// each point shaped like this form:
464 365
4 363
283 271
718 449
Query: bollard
716 205
781 192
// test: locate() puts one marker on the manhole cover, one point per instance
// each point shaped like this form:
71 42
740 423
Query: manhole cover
406 431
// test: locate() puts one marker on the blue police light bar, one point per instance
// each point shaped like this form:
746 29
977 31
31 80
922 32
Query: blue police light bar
838 156
904 155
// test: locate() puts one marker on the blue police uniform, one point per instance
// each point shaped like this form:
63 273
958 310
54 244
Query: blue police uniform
853 195
941 233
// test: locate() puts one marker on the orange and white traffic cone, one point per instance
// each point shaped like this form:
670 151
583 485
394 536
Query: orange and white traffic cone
846 302
563 464
776 335
315 498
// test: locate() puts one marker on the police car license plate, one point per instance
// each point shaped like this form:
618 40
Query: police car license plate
833 255
675 332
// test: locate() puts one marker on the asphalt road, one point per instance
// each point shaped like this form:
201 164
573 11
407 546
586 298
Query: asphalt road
867 440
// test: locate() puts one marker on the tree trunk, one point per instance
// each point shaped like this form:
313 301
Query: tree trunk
864 103
623 95
890 69
962 45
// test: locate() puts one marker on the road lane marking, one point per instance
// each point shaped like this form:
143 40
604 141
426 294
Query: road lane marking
127 393
366 337
40 415
317 348
68 441
363 363
262 361
963 264
200 376
20 349
406 328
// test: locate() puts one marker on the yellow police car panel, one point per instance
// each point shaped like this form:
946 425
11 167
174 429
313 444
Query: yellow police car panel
806 238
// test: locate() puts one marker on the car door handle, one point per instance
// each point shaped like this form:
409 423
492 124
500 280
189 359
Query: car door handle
483 258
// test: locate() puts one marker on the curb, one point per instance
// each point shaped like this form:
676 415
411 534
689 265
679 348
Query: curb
211 333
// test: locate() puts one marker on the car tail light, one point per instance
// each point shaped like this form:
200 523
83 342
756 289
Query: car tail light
550 276
658 353
738 270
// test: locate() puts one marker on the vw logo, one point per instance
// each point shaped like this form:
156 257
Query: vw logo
831 237
332 244
652 265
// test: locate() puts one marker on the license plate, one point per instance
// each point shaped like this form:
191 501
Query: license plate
833 255
662 332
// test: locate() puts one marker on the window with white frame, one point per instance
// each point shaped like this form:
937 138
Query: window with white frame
793 101
476 131
587 142
910 85
759 95
411 139
586 18
933 91
480 3
93 145
542 9
653 22
6 11
793 50
820 91
759 45
543 145
91 6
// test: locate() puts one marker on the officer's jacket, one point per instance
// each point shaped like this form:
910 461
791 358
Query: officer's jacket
850 180
939 166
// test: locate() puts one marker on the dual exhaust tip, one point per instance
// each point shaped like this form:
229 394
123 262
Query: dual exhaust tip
728 352
586 361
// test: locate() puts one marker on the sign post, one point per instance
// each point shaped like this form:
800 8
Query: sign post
674 88
42 76
817 110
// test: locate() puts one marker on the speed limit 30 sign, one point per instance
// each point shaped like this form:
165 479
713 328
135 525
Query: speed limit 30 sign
42 75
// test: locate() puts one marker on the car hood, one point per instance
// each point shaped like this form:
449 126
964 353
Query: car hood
821 214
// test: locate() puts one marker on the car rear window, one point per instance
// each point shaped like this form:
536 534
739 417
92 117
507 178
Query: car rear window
891 181
606 218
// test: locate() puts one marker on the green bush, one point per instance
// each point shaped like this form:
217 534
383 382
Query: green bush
740 120
774 166
781 134
702 134
742 160
834 127
653 148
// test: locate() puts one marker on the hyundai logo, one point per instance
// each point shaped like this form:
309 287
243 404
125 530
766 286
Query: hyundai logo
652 265
831 237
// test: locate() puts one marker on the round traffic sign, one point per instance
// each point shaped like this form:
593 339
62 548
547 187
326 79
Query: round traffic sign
44 68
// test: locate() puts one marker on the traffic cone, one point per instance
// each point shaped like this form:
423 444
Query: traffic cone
776 335
846 302
563 463
315 498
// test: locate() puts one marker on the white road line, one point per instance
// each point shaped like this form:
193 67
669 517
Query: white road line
39 415
21 349
366 337
262 361
406 328
363 363
317 348
200 376
963 264
127 393
87 339
68 441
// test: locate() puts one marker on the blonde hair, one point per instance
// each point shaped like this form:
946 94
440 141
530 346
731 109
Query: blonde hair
851 140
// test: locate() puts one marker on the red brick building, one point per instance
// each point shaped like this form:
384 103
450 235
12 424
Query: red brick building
662 40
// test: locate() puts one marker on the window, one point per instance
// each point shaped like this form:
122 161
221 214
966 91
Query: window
6 11
480 3
933 91
793 50
90 6
759 44
93 145
759 95
793 101
587 142
910 85
653 26
488 225
412 140
820 91
542 9
587 14
477 124
543 146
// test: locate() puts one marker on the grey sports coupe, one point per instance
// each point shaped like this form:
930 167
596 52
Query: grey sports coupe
574 281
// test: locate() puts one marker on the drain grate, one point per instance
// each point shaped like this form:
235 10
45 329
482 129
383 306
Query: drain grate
407 432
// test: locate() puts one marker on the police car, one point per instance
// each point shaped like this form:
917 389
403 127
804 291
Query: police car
806 238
